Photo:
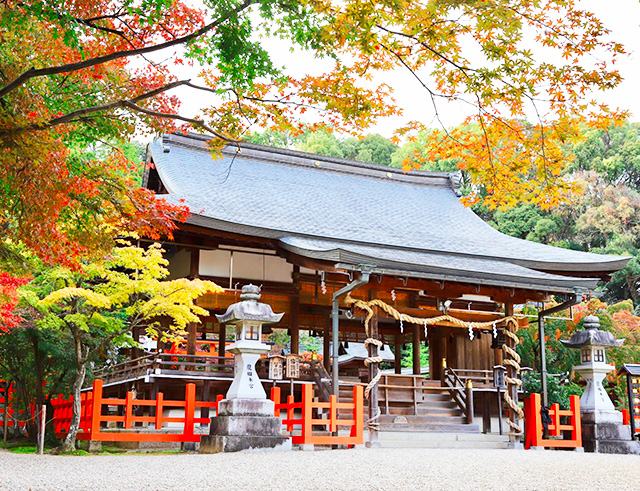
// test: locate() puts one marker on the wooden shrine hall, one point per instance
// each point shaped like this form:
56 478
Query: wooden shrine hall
334 243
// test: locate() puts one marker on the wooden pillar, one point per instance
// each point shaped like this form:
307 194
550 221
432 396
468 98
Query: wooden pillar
192 329
416 349
398 354
511 372
326 345
373 372
294 326
192 334
206 395
194 265
222 340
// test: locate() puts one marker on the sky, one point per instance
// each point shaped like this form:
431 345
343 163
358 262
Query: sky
622 17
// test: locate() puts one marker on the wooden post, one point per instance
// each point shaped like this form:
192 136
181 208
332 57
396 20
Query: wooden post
373 372
511 372
326 345
632 407
206 394
307 415
294 325
96 410
192 334
194 266
42 426
398 354
275 397
469 398
358 416
416 349
128 412
159 410
222 340
189 411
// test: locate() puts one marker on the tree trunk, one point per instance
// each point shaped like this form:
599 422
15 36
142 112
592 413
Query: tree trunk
69 443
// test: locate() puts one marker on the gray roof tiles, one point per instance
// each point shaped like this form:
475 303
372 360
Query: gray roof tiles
360 209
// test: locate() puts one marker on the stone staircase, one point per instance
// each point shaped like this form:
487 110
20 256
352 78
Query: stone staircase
434 412
422 439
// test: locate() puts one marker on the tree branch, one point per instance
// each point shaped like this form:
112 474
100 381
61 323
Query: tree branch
79 65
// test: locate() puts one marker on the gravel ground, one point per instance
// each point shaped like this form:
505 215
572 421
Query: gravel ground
385 469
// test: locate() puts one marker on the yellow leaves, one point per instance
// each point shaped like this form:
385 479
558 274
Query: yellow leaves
65 295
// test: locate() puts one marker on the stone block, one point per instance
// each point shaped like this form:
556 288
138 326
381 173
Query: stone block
236 443
246 425
246 407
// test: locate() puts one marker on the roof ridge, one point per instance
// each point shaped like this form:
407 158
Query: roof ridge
307 159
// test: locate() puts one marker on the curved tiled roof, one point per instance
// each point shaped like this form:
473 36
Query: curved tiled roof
356 213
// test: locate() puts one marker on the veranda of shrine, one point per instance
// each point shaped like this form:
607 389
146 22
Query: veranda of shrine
357 256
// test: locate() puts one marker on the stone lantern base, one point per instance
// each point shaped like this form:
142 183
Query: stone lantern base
243 424
603 432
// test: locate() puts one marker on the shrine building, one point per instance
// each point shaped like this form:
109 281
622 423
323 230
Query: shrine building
326 237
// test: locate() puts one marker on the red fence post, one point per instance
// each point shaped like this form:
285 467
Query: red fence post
275 397
128 409
189 411
159 410
96 410
358 415
576 420
554 413
307 413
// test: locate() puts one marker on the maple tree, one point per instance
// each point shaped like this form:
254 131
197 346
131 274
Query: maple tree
101 68
100 306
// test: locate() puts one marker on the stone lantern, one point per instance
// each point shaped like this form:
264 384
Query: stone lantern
248 316
246 417
602 428
592 343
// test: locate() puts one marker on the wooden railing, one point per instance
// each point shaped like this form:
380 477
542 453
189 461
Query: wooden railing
477 377
167 363
461 392
534 428
300 416
127 425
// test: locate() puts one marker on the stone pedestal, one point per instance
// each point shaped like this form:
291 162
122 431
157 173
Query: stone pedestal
243 424
603 432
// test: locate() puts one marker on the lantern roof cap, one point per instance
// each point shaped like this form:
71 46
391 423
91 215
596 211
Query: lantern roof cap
592 335
249 309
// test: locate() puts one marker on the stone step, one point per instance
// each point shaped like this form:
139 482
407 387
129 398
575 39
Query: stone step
422 419
393 439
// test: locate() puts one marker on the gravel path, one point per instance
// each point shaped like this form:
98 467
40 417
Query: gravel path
384 469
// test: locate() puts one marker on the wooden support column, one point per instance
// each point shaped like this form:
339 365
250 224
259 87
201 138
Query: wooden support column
416 349
192 329
511 372
294 324
192 334
206 395
326 345
194 265
373 372
398 354
222 340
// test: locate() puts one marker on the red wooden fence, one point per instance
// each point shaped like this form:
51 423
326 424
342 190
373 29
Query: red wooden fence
15 418
534 428
307 421
128 424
